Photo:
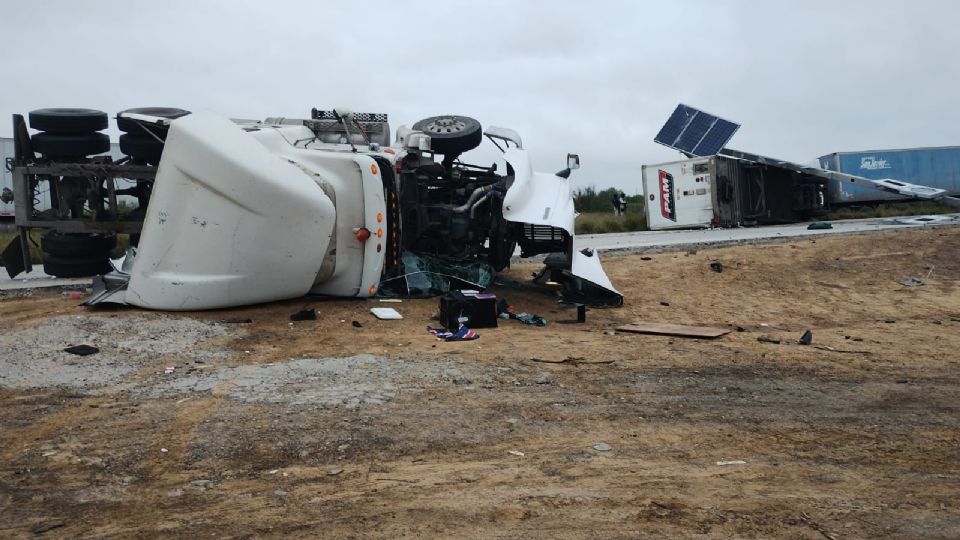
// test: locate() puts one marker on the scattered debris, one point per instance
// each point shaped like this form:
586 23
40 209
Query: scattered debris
386 314
806 338
506 311
832 349
646 258
734 462
768 339
819 225
571 360
334 471
82 350
515 453
664 303
602 447
832 285
307 314
462 334
741 329
716 266
46 527
163 450
237 321
169 369
356 324
680 330
911 282
391 300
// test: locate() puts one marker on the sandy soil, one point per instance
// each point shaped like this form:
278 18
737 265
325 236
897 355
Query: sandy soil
323 429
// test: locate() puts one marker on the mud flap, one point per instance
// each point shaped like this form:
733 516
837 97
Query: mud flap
582 278
12 257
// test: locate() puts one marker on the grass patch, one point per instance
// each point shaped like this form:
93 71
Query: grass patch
890 210
607 222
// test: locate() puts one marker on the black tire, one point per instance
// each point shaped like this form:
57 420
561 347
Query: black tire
67 267
66 121
143 148
128 125
451 134
80 245
56 145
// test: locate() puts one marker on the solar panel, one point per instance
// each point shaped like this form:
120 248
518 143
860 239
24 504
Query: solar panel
695 132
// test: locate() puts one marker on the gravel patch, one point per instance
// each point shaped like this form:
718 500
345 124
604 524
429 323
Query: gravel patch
349 382
34 357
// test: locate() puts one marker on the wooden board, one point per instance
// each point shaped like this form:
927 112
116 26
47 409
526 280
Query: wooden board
666 329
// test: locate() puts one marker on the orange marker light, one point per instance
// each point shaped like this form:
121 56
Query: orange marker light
379 218
379 233
363 234
373 169
373 290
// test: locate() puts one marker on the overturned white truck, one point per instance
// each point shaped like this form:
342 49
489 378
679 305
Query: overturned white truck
244 212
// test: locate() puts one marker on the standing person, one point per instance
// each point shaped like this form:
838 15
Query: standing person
622 203
616 203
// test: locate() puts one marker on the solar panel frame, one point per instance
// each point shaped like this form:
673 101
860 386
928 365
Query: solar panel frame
696 132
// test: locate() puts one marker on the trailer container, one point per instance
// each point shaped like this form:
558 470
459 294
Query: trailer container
724 191
937 167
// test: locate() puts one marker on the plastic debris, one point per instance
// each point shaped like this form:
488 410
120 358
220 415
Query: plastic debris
309 314
515 453
602 447
735 462
806 338
911 282
819 225
506 311
462 334
716 266
82 350
768 339
169 369
386 314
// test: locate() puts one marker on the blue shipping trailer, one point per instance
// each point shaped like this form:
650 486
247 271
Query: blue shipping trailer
935 167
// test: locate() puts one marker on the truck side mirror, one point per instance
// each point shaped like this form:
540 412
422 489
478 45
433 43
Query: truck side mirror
573 161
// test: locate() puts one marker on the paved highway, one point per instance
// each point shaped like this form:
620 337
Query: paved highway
644 240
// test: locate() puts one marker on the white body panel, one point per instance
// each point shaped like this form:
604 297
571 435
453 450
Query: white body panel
229 223
535 197
676 196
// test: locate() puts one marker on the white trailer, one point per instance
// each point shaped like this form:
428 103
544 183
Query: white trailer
678 194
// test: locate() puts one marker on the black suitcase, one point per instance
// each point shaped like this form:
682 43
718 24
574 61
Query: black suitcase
473 310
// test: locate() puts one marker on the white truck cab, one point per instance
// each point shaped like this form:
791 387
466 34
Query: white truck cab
243 212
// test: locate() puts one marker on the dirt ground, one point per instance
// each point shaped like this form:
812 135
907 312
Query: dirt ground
321 429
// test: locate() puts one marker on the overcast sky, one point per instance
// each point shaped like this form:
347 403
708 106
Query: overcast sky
805 78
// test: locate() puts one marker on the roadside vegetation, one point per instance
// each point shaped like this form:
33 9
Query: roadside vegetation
597 216
890 210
